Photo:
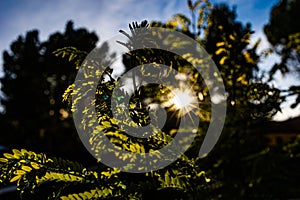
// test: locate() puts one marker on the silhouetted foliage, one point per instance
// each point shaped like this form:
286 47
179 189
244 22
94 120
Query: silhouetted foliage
34 80
283 32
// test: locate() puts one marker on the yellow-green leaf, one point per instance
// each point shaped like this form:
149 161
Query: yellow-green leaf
34 165
15 178
19 172
106 124
9 156
76 196
89 195
17 153
220 44
222 61
220 50
3 160
207 180
82 196
24 151
26 168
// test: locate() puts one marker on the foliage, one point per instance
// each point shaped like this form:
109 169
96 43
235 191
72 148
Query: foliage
39 177
57 178
34 80
182 177
238 167
283 32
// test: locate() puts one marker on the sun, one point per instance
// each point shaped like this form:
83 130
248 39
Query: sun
183 100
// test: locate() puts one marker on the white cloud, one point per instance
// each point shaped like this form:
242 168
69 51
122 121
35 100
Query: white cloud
287 111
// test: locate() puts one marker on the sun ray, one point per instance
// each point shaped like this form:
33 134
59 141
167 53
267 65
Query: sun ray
183 100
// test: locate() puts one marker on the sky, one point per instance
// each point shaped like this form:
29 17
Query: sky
106 18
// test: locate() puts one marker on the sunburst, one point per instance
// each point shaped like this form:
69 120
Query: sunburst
183 100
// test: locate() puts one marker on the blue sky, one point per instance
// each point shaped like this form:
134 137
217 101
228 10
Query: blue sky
107 17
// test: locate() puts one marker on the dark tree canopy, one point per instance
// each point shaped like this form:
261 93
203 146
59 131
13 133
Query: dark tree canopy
283 32
283 22
33 83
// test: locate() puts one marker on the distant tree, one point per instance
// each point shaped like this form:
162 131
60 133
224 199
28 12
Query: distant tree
34 80
283 32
